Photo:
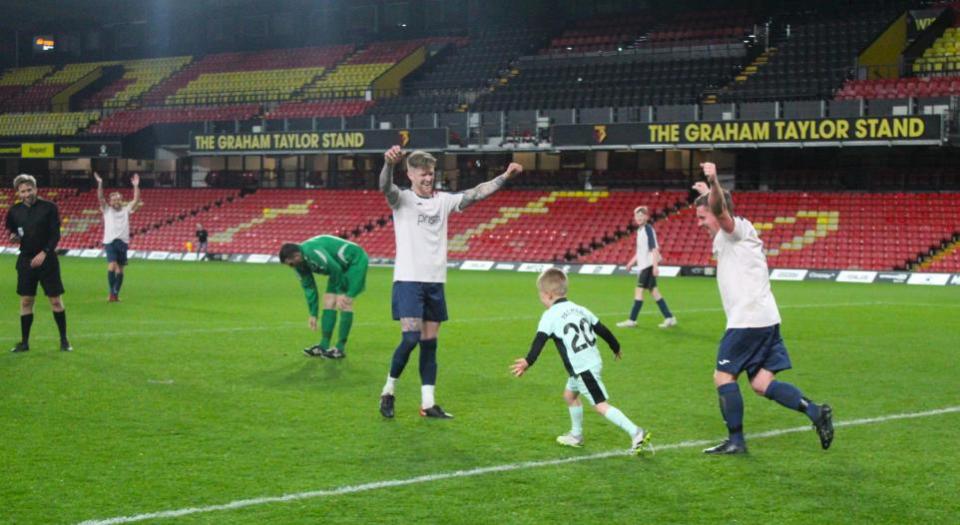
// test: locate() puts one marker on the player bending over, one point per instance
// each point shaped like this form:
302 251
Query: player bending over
573 329
647 259
346 265
752 342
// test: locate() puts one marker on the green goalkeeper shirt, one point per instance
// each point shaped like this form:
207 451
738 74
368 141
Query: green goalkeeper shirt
331 256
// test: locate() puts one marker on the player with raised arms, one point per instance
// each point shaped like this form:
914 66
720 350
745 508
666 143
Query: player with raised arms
752 341
116 231
420 217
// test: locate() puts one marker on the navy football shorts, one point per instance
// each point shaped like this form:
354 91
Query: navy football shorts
751 349
419 300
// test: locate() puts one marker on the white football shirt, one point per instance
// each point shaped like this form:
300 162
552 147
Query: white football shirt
743 277
420 226
646 243
571 325
116 223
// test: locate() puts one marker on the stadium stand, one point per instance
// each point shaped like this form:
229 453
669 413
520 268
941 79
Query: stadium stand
942 57
131 120
40 95
8 197
813 62
559 83
229 78
15 80
323 108
946 261
855 231
707 26
139 77
895 88
520 225
468 66
82 222
32 124
261 222
604 33
479 62
352 78
419 103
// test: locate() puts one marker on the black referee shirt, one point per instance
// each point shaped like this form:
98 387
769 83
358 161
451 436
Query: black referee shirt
38 226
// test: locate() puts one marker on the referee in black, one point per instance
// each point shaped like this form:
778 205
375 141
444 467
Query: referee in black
35 223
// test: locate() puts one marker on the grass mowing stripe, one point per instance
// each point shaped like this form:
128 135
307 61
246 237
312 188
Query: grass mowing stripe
352 489
274 326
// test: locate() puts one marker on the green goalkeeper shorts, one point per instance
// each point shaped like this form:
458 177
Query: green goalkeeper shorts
355 278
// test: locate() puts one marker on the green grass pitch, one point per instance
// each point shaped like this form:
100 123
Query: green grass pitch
193 392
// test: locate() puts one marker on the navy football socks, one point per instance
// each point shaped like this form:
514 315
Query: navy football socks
791 397
731 406
635 311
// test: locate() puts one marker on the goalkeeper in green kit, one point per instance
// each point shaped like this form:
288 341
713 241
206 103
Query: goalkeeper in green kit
346 265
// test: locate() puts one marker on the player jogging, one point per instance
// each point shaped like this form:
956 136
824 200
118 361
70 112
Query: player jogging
647 259
573 329
346 265
116 231
420 223
752 341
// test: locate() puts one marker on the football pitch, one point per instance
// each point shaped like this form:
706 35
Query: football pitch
191 402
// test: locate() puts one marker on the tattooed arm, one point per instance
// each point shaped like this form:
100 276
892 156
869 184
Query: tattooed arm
485 189
389 189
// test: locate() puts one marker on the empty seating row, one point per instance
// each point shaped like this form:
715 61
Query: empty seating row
139 76
131 120
900 88
812 61
817 230
322 109
557 84
189 86
15 124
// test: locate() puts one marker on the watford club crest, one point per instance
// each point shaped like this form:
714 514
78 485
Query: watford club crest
599 133
404 138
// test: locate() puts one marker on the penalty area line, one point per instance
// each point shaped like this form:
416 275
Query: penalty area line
480 471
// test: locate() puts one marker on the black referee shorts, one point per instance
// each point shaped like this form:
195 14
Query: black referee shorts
47 275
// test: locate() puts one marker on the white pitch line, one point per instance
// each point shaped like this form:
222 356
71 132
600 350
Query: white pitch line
479 471
282 324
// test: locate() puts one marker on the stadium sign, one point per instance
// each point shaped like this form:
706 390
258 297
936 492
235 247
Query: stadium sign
293 142
847 276
598 269
480 266
861 131
784 274
893 277
929 279
59 150
822 275
776 274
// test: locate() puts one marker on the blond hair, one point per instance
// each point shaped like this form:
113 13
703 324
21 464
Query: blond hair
704 200
421 159
23 178
553 281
